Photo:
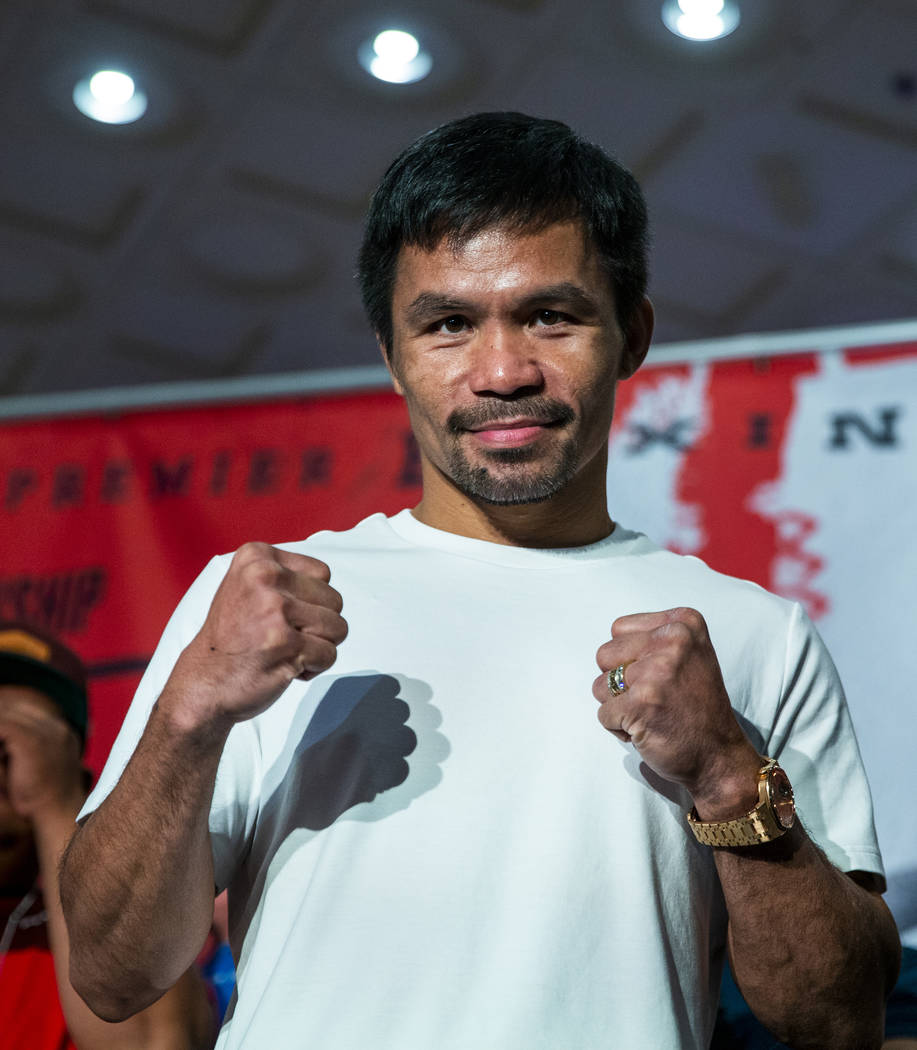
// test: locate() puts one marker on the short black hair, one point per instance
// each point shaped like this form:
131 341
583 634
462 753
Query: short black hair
509 170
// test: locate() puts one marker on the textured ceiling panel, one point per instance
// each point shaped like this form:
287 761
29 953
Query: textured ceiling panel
308 148
34 285
81 199
901 243
252 251
218 235
707 274
603 107
719 179
819 295
870 68
223 26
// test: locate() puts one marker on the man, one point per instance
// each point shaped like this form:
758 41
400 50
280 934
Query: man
435 845
43 716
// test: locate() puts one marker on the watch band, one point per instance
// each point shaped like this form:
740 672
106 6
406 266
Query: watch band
756 827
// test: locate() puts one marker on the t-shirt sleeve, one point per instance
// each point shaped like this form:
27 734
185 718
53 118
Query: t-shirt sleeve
814 741
234 805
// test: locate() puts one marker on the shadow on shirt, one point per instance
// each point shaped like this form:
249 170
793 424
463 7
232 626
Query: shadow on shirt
346 758
354 747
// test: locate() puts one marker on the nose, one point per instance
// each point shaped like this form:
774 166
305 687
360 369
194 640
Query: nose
504 363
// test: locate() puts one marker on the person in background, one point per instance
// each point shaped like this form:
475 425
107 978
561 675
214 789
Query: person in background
43 784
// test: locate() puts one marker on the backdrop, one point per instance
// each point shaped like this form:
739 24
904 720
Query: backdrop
795 470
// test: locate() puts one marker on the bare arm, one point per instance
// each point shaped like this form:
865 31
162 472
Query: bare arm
137 882
814 953
45 784
137 879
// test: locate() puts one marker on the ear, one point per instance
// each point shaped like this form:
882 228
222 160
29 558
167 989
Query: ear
387 358
639 336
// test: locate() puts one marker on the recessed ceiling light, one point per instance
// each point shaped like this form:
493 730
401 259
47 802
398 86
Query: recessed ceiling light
110 96
700 19
395 56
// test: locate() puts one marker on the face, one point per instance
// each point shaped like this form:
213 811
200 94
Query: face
507 351
18 862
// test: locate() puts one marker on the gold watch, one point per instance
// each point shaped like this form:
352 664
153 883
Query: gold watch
773 816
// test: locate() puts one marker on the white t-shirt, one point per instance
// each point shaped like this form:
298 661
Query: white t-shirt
437 845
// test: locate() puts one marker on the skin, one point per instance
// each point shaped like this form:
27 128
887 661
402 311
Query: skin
511 330
507 351
42 788
144 909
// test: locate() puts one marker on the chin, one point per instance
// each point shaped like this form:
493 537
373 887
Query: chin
516 480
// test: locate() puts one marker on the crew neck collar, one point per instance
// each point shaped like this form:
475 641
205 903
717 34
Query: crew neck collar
620 541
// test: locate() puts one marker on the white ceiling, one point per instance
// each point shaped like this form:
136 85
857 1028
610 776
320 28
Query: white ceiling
217 236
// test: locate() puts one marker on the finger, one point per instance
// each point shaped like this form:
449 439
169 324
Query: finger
639 623
611 710
302 564
313 591
652 621
316 656
605 687
625 650
318 620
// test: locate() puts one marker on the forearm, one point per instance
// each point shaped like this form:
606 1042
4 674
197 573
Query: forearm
137 879
814 954
181 1020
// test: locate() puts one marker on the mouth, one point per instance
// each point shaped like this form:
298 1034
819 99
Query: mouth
511 433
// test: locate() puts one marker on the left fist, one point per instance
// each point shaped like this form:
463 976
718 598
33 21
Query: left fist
674 708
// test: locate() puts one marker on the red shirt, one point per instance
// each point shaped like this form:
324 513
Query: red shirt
30 1013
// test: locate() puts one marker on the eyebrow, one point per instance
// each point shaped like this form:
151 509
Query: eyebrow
564 294
432 304
428 305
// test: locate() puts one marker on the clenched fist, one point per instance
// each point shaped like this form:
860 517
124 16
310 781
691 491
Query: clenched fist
675 709
275 617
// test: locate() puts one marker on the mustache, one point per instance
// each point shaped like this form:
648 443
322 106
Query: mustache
494 410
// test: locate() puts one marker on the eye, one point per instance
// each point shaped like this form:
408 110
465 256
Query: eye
451 325
549 317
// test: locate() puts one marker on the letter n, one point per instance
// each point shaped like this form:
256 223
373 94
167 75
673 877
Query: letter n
880 432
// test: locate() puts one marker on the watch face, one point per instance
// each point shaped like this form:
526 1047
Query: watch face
781 795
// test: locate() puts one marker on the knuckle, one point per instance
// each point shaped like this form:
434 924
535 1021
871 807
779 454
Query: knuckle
251 551
262 573
274 634
678 634
691 618
316 568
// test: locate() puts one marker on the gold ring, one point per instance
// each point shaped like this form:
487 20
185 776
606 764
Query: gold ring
616 683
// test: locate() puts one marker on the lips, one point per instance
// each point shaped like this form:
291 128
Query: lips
510 433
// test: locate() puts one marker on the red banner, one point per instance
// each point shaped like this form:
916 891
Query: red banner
105 520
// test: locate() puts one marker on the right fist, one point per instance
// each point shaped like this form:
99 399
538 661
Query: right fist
274 618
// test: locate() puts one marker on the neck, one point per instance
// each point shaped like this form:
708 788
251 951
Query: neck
575 517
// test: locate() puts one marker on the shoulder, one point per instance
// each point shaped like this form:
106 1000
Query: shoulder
675 579
372 533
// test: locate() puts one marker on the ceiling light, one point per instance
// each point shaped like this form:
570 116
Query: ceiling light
110 96
395 56
700 19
